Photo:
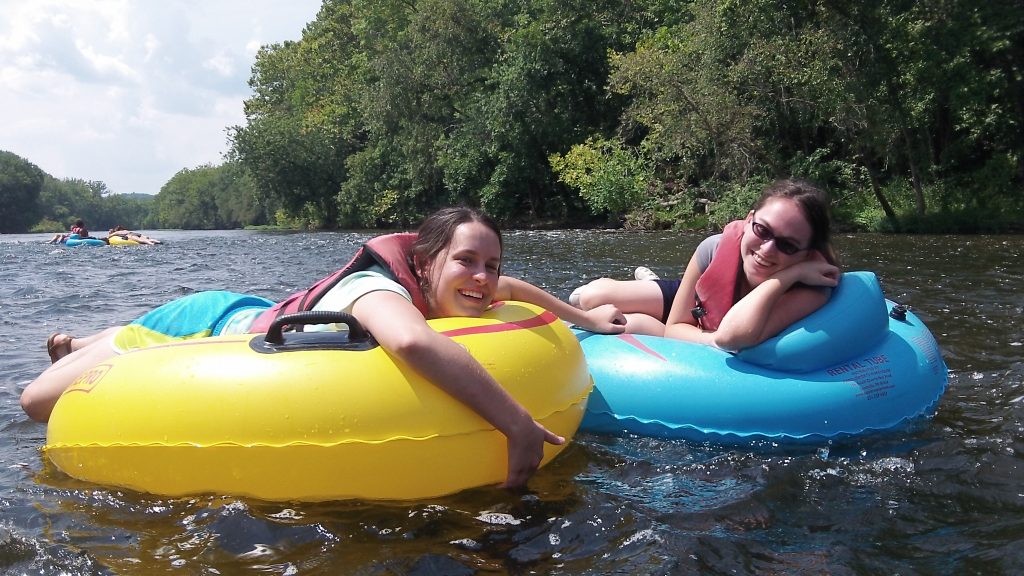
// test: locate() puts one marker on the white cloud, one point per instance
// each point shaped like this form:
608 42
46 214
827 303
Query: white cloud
130 92
222 64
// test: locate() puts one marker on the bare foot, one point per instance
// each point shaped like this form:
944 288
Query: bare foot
58 346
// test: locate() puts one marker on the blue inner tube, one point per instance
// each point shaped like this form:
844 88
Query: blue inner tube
848 368
76 240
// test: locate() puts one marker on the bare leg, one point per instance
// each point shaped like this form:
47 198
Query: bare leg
640 300
79 343
143 239
630 296
39 397
644 324
61 343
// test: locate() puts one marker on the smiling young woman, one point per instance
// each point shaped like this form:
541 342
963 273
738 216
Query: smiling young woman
394 284
742 286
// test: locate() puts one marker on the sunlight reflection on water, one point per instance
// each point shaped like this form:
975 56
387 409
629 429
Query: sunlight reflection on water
942 496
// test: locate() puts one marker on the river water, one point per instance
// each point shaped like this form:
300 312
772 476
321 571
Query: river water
942 496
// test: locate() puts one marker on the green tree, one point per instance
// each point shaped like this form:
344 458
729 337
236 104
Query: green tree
612 178
20 185
129 210
209 198
386 109
395 107
69 199
901 99
302 118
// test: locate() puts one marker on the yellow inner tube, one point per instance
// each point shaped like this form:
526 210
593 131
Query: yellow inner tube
121 241
215 416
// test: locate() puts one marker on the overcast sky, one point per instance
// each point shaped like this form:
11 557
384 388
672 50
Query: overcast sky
130 92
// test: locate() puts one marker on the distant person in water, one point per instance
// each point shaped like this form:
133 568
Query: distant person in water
120 232
77 228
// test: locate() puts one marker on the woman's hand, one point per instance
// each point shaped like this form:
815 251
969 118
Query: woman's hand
605 319
526 450
401 330
782 299
814 271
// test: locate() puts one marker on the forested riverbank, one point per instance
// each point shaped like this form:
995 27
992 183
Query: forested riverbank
645 114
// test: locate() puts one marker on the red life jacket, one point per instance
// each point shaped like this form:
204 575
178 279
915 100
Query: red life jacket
716 287
392 251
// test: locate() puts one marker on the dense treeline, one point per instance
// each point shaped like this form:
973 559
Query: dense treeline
387 109
650 113
908 111
208 197
211 198
31 199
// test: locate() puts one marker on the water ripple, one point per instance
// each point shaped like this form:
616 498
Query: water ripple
941 496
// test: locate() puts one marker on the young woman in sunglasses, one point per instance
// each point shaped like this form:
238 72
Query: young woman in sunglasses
742 286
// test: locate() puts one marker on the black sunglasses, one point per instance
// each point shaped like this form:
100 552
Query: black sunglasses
785 245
